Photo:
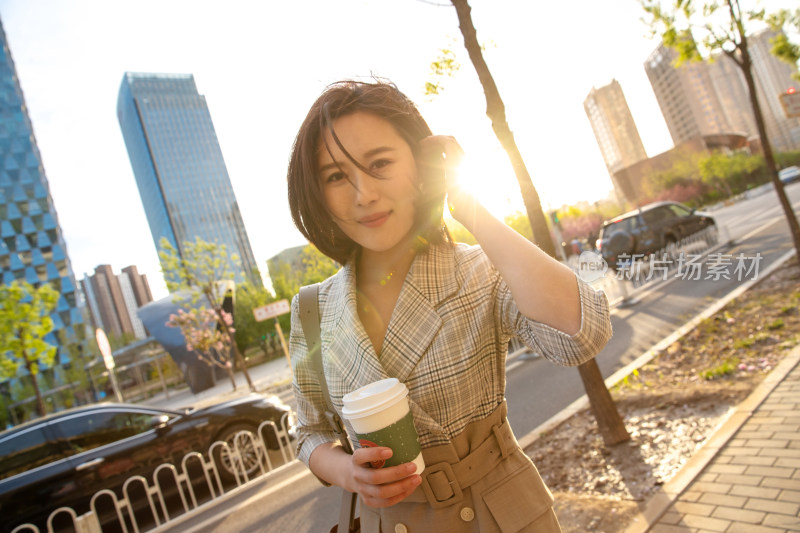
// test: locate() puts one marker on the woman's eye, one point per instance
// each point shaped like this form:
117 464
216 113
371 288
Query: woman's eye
333 178
380 163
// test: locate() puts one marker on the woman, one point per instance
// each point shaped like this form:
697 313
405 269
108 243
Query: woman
367 182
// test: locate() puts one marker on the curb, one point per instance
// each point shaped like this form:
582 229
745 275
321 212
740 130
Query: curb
660 502
583 402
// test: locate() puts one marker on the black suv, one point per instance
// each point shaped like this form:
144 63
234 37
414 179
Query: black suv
656 227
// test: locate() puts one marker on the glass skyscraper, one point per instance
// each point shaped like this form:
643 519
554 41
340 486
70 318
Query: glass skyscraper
32 246
179 168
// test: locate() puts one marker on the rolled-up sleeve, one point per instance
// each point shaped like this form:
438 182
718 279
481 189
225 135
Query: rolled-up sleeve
312 425
557 346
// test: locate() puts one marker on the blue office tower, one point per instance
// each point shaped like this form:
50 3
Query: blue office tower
32 246
178 165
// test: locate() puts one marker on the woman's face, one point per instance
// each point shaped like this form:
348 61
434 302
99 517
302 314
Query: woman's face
375 212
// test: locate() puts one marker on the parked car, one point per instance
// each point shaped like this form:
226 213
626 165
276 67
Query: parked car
789 174
65 458
652 228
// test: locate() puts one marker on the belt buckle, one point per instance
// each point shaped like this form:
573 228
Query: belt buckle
447 470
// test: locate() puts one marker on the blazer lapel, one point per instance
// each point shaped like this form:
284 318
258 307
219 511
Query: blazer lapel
415 320
346 347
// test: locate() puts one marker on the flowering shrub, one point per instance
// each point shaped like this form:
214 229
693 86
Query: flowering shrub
203 336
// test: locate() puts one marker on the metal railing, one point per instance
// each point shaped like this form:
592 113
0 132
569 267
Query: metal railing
247 461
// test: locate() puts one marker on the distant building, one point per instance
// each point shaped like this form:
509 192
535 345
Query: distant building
686 95
615 130
32 246
179 168
773 77
705 98
114 299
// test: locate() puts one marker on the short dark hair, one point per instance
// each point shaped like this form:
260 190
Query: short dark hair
306 200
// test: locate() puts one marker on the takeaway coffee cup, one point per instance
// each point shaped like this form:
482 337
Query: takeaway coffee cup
380 416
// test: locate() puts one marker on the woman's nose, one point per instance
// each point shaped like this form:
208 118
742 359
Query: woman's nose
366 189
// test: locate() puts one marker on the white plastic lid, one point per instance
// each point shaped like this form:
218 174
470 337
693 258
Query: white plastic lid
373 398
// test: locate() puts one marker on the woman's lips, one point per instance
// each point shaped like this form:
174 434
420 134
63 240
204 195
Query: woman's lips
373 221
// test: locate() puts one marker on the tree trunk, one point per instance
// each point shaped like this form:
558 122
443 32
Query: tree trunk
40 408
605 411
495 110
231 375
238 359
746 65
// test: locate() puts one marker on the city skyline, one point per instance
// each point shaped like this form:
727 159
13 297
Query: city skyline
179 168
261 67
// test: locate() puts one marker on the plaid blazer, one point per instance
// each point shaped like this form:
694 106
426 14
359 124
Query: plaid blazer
447 340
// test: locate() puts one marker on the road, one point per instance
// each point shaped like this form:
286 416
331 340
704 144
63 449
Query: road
536 389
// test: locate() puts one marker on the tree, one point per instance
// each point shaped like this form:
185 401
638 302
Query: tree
24 322
287 278
199 271
203 336
721 27
495 110
609 421
249 332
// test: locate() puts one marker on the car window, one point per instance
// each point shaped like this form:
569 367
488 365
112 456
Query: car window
24 451
659 214
626 224
91 430
679 210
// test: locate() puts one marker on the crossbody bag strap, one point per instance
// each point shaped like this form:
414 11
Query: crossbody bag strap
310 321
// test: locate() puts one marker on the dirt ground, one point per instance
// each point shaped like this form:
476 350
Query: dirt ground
670 407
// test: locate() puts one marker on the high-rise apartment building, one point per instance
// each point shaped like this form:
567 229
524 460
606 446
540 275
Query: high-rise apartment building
774 77
113 300
614 129
733 95
711 97
32 246
179 168
686 95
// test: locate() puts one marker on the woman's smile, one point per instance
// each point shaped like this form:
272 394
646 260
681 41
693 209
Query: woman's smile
374 220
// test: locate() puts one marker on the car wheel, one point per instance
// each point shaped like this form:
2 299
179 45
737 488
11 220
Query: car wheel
242 442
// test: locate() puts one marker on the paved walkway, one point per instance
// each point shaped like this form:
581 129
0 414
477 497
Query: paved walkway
747 477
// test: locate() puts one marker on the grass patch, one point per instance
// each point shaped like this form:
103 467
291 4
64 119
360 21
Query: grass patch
776 324
725 368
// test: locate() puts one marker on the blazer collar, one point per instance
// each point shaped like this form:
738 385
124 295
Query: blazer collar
413 326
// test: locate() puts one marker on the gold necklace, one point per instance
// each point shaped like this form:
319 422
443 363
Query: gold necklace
386 279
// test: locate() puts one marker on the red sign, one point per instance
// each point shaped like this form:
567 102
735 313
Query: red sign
272 310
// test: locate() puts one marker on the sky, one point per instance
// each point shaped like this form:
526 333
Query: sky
261 64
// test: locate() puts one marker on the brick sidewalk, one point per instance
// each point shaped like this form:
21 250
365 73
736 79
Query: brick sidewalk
747 478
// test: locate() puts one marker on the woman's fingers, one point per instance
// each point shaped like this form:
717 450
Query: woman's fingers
441 149
381 486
